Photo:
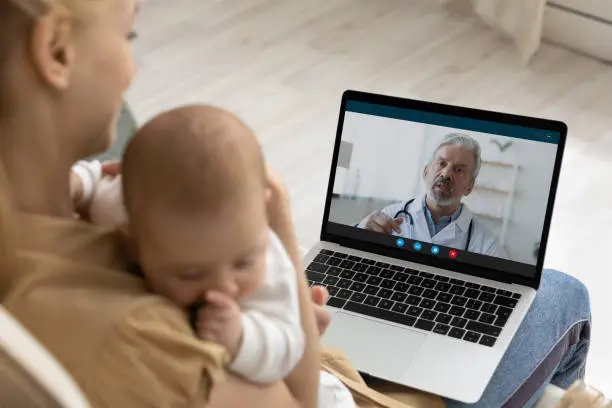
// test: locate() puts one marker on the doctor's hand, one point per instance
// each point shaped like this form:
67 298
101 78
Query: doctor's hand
378 221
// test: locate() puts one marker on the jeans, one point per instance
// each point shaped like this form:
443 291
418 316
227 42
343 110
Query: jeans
550 346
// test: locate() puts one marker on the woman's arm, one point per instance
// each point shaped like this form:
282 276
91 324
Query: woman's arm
303 381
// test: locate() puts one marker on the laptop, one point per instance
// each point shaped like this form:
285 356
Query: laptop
434 303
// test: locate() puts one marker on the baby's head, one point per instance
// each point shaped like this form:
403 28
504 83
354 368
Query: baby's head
194 185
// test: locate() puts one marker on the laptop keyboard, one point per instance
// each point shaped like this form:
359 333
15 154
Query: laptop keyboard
450 307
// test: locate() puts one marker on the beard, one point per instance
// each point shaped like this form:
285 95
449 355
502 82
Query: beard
442 193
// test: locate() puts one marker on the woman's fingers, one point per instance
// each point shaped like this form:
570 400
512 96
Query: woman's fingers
319 296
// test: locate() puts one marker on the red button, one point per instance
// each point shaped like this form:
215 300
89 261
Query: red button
452 253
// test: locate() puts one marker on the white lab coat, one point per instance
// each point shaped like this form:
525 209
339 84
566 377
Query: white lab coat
454 235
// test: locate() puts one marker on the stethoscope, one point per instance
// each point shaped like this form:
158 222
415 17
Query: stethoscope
405 211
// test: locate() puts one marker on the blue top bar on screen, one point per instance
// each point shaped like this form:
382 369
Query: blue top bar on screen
457 122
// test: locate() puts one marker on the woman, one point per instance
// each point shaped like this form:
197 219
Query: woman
64 65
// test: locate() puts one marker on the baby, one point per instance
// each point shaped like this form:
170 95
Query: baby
192 199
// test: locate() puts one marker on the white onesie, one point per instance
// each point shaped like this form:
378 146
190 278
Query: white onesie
272 340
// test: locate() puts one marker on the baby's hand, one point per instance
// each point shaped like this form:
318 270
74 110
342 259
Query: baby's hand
220 321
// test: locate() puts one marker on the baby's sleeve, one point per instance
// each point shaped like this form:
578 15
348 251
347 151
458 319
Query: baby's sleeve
272 336
90 174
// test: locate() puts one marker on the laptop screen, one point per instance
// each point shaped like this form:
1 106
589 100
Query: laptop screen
455 188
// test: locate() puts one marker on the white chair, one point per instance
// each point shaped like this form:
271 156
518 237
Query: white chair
30 377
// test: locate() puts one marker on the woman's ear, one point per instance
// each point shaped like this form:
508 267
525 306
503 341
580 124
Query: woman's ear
52 49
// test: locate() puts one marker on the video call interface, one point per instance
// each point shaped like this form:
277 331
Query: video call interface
456 188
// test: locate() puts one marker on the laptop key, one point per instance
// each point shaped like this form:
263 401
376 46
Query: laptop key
503 311
336 302
501 321
359 267
346 274
516 296
441 328
457 282
474 304
430 293
341 255
443 286
459 322
429 315
456 311
332 290
399 297
487 318
385 304
505 301
371 301
354 258
331 280
334 271
487 289
459 301
315 276
428 283
488 308
360 277
471 314
441 278
321 258
414 280
428 303
344 293
358 297
374 270
424 324
443 318
413 300
444 297
487 341
399 307
344 283
400 277
442 307
471 337
368 261
483 328
386 274
334 261
426 275
383 264
371 290
326 252
317 267
380 313
456 333
472 285
387 284
457 290
472 293
416 290
374 280
396 268
414 311
357 287
486 297
402 287
504 293
385 293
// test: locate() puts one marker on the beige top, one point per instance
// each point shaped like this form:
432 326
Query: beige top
123 346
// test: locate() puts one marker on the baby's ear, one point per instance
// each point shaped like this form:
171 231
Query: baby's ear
128 241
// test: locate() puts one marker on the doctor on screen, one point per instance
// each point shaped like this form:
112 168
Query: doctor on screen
440 217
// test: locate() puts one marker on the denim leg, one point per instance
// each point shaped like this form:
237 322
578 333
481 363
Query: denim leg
550 346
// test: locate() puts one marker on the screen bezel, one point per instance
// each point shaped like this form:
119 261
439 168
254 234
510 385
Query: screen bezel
457 266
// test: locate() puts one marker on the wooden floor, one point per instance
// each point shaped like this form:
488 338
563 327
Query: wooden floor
282 66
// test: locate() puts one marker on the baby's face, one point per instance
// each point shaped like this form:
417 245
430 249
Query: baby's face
185 257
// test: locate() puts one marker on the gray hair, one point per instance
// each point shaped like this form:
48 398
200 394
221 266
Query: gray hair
465 141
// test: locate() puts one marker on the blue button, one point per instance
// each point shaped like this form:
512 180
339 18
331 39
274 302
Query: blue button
399 242
435 250
417 246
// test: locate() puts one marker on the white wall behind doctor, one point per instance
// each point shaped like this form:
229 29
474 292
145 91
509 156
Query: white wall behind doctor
385 159
534 177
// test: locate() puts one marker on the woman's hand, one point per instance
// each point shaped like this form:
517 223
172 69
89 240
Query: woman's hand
319 298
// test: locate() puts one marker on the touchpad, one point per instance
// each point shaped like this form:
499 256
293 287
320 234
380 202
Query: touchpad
376 348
